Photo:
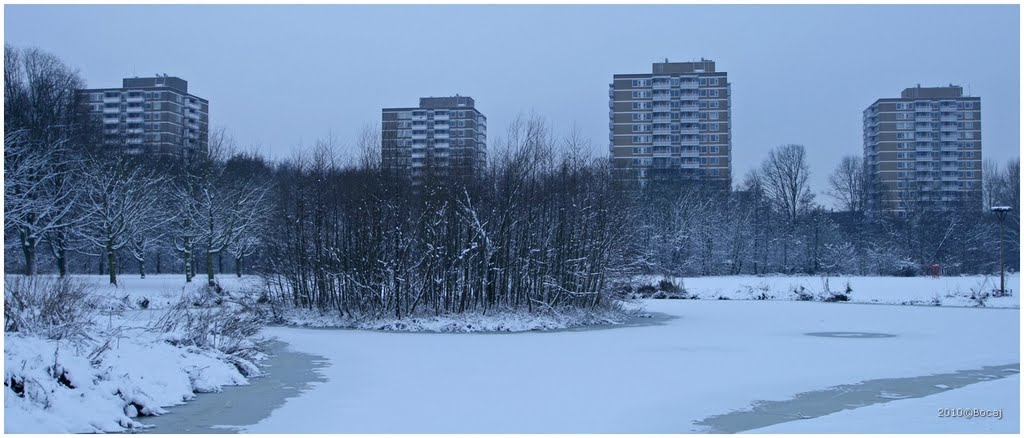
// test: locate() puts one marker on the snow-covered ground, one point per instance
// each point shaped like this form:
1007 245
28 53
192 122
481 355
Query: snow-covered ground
126 366
945 412
713 358
927 291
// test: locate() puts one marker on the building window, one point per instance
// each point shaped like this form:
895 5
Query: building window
713 92
641 128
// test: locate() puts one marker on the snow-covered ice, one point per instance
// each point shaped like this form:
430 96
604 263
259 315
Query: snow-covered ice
713 358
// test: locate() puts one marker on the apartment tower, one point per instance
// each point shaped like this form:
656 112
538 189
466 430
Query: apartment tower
151 115
672 123
923 150
446 135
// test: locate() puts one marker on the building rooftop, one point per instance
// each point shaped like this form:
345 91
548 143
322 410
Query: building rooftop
702 66
447 102
172 82
932 92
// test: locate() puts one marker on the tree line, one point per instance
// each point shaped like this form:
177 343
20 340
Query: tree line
545 226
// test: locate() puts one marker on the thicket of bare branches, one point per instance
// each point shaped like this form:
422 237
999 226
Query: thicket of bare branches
539 230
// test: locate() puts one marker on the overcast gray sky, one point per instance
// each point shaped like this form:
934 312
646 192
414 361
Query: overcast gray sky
282 76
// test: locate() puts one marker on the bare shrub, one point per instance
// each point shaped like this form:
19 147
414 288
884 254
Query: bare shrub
57 308
226 327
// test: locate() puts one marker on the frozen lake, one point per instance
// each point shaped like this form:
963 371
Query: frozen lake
678 375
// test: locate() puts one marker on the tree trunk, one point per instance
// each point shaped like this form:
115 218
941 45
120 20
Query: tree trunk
142 267
112 263
29 250
238 266
62 263
209 269
157 263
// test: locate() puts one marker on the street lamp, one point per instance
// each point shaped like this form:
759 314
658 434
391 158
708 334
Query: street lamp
1000 212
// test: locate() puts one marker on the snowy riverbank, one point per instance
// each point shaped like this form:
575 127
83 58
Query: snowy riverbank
135 351
963 291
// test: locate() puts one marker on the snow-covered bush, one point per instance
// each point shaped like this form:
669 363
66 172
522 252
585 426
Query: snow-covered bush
56 308
224 327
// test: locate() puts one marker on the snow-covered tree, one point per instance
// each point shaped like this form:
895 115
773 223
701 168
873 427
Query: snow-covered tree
121 201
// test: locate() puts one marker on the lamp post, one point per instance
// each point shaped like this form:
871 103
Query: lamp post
1000 212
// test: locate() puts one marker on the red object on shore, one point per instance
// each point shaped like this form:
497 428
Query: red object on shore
935 270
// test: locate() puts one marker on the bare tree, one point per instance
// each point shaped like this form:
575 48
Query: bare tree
847 184
785 174
121 203
44 126
368 145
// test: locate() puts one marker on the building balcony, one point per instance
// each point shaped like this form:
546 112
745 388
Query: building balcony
946 128
135 109
694 142
690 131
662 120
441 127
111 99
689 119
441 135
661 131
951 118
662 85
442 117
689 107
689 153
662 97
688 85
111 110
662 143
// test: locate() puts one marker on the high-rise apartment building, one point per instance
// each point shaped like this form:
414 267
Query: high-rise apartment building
151 115
674 122
923 150
447 135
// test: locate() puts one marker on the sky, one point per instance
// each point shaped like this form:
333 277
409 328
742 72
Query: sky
280 77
